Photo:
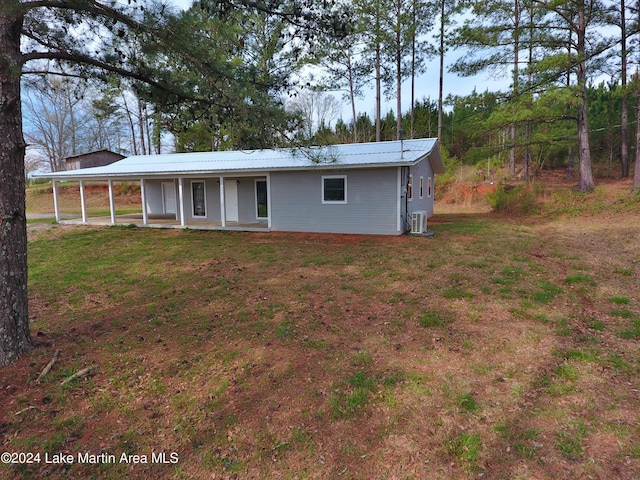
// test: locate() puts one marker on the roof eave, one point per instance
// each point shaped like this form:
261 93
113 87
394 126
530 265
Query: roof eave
217 173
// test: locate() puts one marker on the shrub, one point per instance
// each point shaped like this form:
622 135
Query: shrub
508 199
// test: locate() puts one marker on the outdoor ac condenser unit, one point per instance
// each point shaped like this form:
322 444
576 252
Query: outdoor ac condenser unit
419 222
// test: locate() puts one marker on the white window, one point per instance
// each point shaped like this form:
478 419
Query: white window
410 188
429 187
334 189
199 199
421 187
261 199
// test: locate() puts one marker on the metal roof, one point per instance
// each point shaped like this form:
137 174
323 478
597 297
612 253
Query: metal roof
355 155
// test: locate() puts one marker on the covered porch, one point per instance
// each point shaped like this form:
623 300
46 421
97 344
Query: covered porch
205 203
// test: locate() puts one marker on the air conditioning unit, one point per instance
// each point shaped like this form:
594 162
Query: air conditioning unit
419 222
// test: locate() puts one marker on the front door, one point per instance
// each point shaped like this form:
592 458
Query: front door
169 197
231 200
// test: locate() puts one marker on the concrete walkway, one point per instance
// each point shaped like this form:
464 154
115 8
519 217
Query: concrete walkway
37 216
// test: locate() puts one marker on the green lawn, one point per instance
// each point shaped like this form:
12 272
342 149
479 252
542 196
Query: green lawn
493 348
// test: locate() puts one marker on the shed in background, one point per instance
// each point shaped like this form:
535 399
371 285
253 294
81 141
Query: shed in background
100 158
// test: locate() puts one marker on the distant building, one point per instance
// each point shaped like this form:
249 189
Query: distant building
100 158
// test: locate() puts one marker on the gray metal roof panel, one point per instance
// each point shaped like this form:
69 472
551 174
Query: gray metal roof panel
356 155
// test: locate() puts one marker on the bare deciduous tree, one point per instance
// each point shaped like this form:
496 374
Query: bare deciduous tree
316 109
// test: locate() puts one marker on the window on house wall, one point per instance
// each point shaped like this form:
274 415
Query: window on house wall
334 189
261 199
410 188
199 199
429 187
421 187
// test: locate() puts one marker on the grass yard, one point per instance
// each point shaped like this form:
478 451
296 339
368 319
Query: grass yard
501 348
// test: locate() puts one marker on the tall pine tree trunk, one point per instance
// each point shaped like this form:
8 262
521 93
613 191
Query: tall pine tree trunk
399 74
413 69
378 71
352 97
624 120
570 147
134 144
516 86
585 177
636 168
441 80
399 95
15 338
378 95
585 182
142 120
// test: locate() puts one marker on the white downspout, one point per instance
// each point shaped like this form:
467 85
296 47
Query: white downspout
112 203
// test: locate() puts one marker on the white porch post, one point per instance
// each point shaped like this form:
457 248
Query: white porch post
183 222
56 208
143 196
269 200
223 209
112 203
83 203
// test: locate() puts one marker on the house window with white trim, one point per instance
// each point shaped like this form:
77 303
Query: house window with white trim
421 187
261 199
199 199
410 188
429 187
334 189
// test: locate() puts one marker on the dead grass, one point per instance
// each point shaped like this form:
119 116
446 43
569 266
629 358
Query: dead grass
493 349
40 198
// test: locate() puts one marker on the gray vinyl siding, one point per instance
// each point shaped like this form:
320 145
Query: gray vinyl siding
422 169
247 200
153 194
213 199
371 208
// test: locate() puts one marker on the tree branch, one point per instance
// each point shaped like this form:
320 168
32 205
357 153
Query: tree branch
89 61
91 6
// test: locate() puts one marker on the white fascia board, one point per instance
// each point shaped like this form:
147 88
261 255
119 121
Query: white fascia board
136 176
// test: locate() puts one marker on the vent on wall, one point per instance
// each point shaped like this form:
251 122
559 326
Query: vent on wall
419 222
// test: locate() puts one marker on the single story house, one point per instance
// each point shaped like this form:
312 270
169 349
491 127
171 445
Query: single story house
99 158
367 188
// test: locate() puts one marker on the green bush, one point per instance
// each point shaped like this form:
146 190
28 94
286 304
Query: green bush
507 199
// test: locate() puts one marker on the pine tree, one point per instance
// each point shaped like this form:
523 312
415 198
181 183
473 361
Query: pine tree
45 30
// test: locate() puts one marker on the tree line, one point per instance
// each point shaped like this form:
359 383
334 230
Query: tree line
227 73
570 64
